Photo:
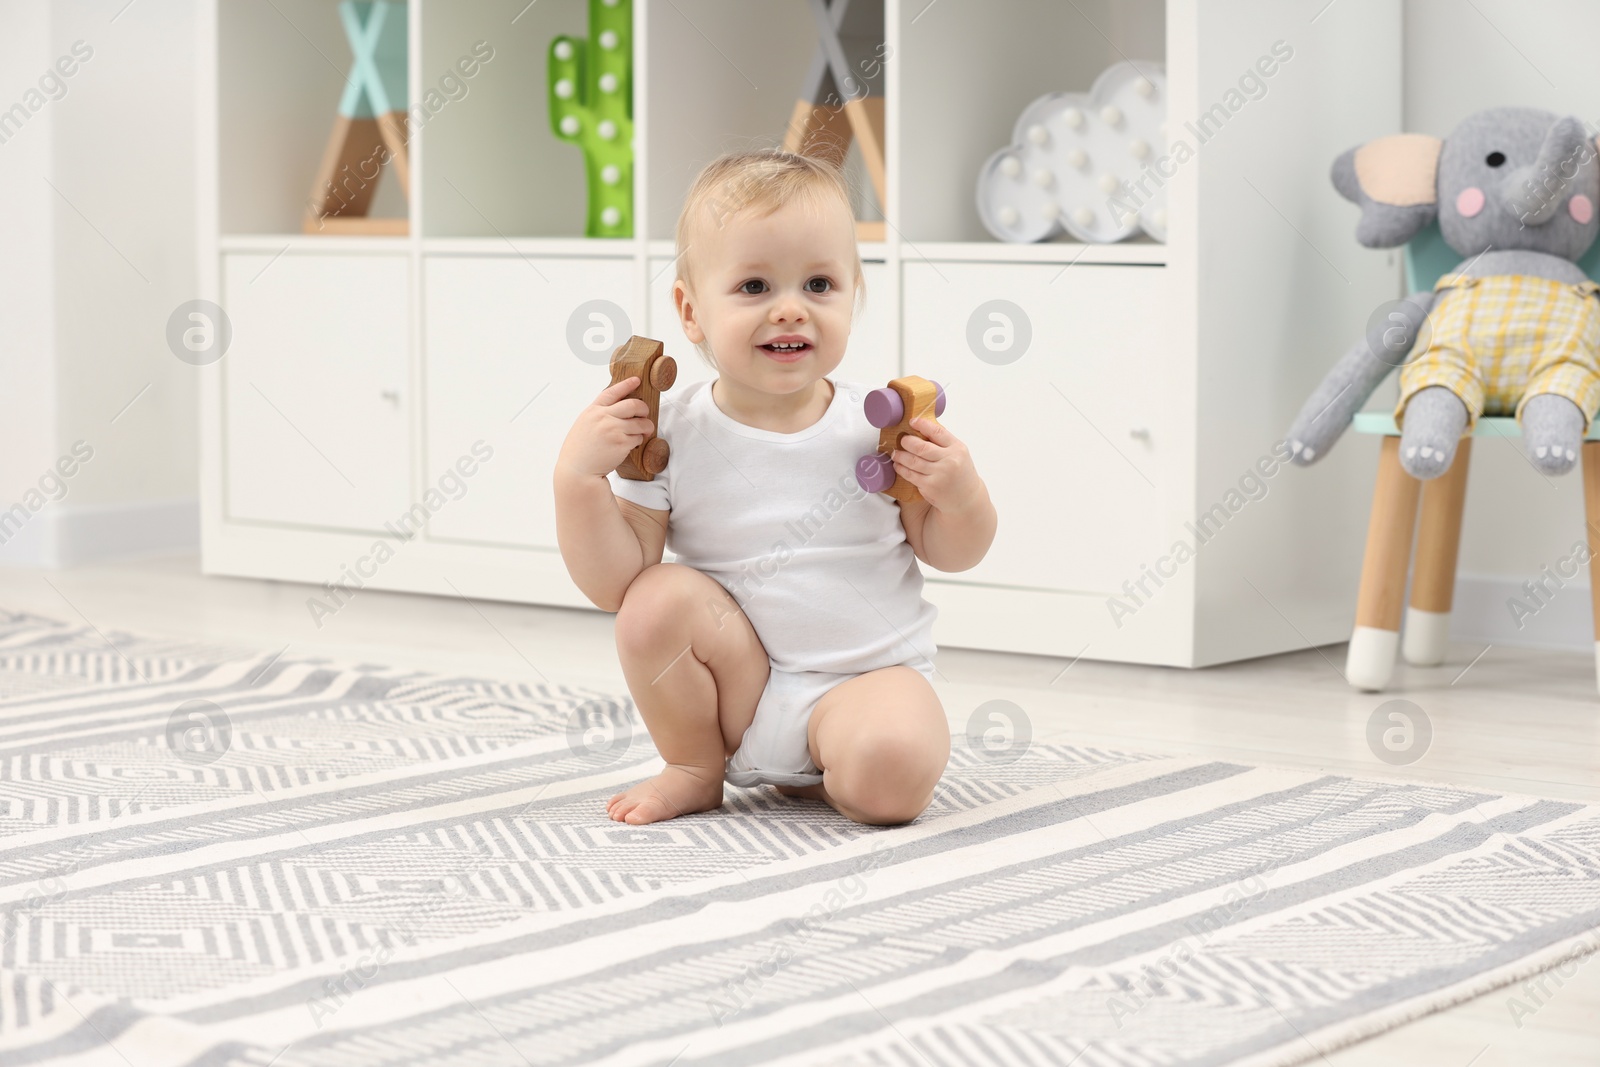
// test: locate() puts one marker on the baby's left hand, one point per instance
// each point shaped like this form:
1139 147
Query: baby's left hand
940 467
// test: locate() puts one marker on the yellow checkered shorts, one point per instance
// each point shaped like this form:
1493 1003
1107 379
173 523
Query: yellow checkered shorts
1496 341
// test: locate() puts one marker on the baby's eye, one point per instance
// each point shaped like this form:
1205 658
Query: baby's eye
760 287
818 285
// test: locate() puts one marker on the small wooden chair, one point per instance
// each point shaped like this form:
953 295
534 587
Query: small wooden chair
1377 634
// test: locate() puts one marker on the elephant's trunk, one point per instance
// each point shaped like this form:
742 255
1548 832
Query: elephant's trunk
1533 193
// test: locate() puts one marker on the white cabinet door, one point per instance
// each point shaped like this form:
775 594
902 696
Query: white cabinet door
501 368
871 356
315 388
1056 380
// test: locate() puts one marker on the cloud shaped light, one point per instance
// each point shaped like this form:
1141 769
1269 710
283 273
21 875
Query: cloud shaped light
1073 160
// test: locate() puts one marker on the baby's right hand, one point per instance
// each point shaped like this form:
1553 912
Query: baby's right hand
606 431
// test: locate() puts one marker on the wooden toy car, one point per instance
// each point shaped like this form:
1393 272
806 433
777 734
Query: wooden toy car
891 410
642 356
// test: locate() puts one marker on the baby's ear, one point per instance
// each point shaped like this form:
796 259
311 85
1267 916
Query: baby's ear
683 301
1396 181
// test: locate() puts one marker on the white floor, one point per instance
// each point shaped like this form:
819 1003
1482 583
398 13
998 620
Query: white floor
1513 720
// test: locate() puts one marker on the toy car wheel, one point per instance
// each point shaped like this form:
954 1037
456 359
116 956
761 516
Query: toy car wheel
884 407
663 372
875 473
655 455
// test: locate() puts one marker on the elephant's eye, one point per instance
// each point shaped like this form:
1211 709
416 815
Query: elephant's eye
1495 159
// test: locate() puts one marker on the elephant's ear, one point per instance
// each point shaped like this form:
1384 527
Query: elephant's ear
1396 182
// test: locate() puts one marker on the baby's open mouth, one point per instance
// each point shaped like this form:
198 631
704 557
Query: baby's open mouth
787 348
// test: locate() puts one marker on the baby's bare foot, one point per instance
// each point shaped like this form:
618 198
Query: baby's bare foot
675 791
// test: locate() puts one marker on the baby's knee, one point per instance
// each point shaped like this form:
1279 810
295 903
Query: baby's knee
890 778
883 805
652 607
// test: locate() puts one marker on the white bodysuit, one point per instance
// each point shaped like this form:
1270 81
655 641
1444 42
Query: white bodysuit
821 567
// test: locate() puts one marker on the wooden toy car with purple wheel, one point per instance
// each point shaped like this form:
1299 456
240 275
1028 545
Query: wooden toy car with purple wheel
642 357
891 410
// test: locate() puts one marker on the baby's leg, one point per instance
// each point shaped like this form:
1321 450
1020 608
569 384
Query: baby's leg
696 669
882 742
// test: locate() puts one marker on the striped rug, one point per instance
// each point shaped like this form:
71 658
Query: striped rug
222 856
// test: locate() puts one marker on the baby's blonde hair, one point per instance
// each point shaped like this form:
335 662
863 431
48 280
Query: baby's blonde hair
763 180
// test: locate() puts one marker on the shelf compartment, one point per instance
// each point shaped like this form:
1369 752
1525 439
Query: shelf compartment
1008 53
281 69
492 166
708 56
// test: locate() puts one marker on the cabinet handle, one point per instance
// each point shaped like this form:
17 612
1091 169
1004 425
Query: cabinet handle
392 396
1141 432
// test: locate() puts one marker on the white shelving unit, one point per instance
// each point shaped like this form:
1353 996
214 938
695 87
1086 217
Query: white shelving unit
362 370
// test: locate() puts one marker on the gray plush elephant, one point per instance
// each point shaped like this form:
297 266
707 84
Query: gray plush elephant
1514 328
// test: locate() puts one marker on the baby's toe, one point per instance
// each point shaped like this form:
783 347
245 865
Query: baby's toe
650 809
620 805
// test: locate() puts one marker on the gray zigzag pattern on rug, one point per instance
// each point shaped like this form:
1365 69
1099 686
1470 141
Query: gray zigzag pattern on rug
1117 908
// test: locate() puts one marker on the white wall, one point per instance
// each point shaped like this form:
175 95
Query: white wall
105 176
1460 58
27 321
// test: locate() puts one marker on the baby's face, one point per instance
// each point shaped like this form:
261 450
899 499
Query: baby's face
764 286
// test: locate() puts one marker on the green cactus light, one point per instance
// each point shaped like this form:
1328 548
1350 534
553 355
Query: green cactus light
591 106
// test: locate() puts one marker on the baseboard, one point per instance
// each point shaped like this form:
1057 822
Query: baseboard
1483 613
71 535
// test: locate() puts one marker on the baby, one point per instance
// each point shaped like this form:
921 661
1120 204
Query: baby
789 644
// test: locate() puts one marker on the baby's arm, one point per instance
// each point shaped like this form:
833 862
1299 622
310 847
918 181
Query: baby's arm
604 545
954 540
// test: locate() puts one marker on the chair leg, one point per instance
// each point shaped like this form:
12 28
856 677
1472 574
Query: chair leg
1383 573
1433 581
1591 515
